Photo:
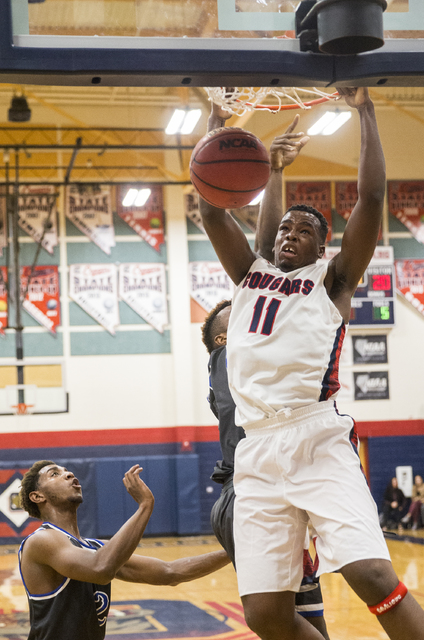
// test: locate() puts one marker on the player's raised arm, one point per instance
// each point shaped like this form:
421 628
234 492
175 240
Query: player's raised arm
155 571
361 234
284 150
227 237
48 548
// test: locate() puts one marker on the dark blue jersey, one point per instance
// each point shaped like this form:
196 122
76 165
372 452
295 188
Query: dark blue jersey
74 610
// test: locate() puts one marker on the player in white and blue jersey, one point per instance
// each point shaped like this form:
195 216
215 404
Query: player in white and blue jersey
297 462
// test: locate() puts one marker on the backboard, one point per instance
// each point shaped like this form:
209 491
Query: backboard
196 42
43 389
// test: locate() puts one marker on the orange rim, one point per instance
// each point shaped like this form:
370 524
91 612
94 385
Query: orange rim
286 107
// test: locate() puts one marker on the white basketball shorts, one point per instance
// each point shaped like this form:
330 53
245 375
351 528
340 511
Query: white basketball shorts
290 469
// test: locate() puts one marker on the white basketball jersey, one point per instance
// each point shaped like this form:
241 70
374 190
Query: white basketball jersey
284 341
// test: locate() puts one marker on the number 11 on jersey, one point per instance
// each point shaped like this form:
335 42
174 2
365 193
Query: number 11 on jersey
270 313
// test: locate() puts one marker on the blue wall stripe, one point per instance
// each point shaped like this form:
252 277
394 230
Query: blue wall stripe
202 251
78 317
125 342
35 344
87 252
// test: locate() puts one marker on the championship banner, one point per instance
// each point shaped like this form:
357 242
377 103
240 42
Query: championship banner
209 284
191 207
313 194
410 282
346 198
406 202
42 295
143 288
3 219
37 210
89 207
146 220
248 215
3 300
95 288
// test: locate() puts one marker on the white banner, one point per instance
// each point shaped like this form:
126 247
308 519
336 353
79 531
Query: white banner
191 207
35 203
143 288
209 284
95 288
89 207
3 219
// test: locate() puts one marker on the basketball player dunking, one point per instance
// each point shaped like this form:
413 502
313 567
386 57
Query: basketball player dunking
297 461
67 577
283 152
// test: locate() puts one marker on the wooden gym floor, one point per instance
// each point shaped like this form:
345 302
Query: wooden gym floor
209 607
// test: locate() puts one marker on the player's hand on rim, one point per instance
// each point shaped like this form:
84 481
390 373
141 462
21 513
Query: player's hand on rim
136 487
286 147
355 97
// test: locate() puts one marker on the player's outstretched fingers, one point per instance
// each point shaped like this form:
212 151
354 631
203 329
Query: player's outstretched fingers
293 124
135 485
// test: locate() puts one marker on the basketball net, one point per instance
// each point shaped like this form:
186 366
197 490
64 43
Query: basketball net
238 100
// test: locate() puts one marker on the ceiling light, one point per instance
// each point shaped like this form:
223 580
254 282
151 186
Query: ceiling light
258 198
130 197
323 122
329 123
19 110
175 122
190 121
183 121
136 197
142 197
338 122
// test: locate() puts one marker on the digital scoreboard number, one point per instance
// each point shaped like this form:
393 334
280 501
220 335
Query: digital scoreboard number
373 300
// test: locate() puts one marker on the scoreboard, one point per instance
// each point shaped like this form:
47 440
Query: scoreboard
373 300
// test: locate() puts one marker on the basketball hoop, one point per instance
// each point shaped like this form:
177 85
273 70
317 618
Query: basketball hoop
21 399
239 100
22 409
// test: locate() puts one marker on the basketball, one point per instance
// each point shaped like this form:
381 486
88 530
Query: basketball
229 167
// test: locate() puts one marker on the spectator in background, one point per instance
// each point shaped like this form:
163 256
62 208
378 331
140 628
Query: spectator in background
415 509
394 503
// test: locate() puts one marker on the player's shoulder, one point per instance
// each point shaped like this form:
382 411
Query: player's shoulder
43 541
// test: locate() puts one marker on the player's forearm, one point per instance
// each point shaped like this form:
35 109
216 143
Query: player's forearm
145 570
372 169
270 214
187 569
122 545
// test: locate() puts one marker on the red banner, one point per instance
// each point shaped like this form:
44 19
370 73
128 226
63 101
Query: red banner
146 220
346 198
410 281
3 299
42 297
313 194
406 202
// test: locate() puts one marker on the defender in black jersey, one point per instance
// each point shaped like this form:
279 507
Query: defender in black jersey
67 577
